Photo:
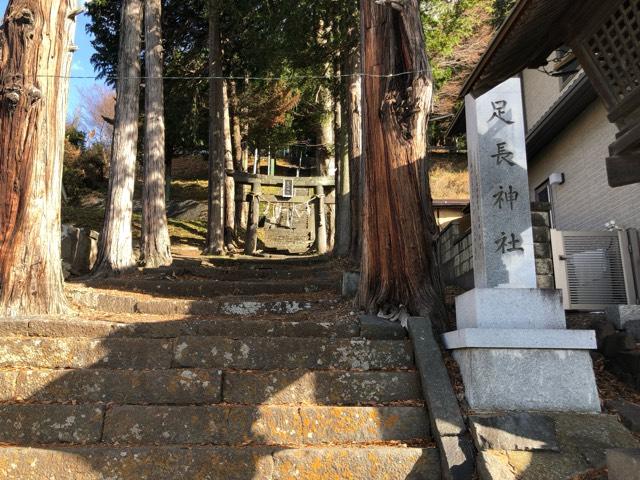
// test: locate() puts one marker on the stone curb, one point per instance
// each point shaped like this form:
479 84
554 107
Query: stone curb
448 428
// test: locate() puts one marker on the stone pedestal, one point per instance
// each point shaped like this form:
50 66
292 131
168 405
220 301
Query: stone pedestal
512 344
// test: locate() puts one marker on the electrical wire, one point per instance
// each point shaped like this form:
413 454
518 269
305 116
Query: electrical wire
295 77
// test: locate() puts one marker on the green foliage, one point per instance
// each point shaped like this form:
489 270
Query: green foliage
447 25
84 167
287 39
501 11
76 137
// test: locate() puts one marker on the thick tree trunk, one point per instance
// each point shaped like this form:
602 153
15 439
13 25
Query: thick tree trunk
242 207
229 183
156 245
234 106
168 164
354 119
115 252
398 260
215 224
343 188
325 154
321 222
36 42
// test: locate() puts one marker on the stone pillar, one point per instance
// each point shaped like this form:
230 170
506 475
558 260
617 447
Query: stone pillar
512 344
242 207
251 242
321 221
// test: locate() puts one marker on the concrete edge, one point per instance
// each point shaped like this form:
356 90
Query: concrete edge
457 454
540 339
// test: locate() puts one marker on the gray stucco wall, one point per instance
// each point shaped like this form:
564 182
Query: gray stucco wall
540 92
585 201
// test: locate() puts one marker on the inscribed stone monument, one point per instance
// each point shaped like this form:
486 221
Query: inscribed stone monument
512 344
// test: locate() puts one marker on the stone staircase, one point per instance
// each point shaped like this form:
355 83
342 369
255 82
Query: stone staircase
270 395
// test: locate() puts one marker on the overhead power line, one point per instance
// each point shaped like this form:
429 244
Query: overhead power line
294 77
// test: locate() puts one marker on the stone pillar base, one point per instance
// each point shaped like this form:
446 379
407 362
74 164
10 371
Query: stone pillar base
502 379
510 308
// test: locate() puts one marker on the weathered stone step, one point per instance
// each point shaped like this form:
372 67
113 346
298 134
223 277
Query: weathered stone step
320 388
229 327
270 425
274 261
275 272
51 424
293 353
126 353
197 387
119 302
218 463
217 288
178 387
254 353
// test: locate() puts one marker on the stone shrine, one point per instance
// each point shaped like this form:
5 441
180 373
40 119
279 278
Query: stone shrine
512 344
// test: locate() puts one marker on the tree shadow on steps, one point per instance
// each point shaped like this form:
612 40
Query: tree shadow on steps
179 400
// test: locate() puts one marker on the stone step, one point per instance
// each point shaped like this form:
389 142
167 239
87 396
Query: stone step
124 353
210 425
119 302
219 288
266 425
277 261
275 272
197 387
320 388
216 463
162 328
293 353
253 353
178 387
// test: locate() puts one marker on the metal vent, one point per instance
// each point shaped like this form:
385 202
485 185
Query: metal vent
616 48
592 269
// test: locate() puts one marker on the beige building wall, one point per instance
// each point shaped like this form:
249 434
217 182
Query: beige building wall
540 93
585 201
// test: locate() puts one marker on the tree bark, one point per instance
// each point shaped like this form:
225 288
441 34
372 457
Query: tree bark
325 155
229 183
354 119
398 261
234 105
115 252
343 186
36 41
242 207
321 222
156 244
215 224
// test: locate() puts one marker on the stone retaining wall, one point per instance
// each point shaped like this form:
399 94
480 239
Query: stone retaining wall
455 249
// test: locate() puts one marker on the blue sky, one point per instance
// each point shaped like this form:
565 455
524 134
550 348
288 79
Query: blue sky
81 62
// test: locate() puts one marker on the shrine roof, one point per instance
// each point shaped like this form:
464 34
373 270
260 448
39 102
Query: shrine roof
533 30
